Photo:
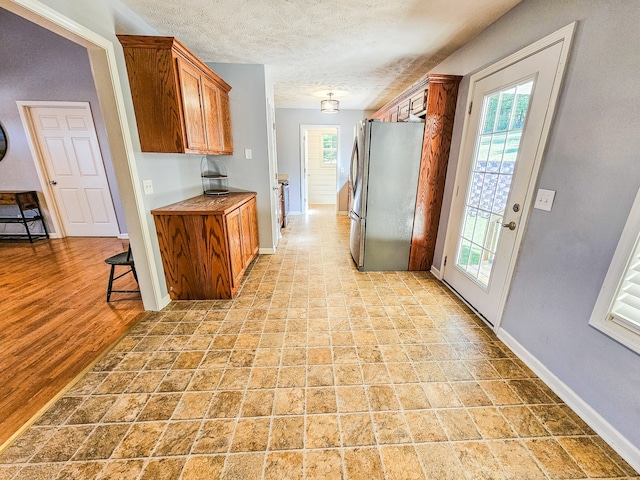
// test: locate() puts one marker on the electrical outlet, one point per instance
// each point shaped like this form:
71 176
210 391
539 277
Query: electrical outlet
248 154
148 187
544 199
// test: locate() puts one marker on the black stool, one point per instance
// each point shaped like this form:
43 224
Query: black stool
122 259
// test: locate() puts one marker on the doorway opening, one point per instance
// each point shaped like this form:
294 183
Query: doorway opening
319 163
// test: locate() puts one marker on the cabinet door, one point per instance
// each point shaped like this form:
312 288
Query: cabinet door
403 110
190 84
245 225
234 237
213 124
225 119
253 222
417 103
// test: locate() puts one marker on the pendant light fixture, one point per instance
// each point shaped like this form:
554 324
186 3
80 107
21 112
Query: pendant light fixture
330 105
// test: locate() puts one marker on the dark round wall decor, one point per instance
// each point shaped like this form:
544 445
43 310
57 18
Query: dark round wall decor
3 143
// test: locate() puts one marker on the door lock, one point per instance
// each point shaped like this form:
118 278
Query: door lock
510 225
516 207
52 182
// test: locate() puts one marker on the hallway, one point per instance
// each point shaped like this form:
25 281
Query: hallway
314 371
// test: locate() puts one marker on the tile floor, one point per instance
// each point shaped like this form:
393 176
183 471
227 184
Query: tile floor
314 371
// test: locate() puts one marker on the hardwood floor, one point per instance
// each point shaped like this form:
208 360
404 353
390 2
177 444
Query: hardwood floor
54 320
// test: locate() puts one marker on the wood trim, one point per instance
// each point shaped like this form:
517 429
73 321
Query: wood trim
441 103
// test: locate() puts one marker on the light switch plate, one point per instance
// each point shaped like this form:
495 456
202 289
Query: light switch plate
544 199
148 187
247 153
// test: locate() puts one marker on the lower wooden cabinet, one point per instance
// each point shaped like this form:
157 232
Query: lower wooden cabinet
206 244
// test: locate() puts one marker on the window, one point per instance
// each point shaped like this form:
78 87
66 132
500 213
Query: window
329 148
617 310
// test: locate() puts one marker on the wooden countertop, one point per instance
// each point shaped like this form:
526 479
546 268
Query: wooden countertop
206 204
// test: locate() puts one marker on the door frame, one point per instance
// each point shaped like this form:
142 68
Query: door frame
24 109
109 77
563 36
304 197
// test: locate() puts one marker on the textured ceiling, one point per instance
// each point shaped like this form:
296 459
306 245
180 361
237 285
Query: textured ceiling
369 49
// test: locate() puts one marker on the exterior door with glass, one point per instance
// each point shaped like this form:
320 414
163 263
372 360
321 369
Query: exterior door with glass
505 136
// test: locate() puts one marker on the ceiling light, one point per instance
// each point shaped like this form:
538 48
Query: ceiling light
330 105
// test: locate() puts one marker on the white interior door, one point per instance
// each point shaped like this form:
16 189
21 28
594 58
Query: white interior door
503 144
74 168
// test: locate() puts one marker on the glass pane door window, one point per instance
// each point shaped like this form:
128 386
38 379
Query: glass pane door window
494 161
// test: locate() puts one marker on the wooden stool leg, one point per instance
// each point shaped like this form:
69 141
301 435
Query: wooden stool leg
110 287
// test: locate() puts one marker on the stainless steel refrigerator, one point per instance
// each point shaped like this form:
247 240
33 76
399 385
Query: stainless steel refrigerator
384 180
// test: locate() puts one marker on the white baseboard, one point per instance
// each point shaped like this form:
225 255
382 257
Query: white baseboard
123 236
267 251
436 273
609 434
343 212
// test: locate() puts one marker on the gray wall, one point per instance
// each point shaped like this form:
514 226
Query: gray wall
249 122
38 65
288 121
592 162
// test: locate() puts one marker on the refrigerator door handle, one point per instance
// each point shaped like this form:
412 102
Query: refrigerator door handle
353 215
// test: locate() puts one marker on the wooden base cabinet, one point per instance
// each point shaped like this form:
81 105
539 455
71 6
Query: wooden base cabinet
206 244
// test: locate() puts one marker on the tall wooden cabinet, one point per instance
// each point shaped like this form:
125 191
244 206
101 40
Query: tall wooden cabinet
181 105
434 98
207 243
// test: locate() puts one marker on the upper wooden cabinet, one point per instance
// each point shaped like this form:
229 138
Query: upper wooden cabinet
181 105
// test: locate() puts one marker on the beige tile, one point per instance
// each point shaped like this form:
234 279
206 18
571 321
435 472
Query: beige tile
125 470
382 397
292 377
289 401
160 407
590 457
555 420
257 403
471 394
375 373
101 443
323 465
60 447
126 408
140 440
500 393
391 428
478 461
319 356
401 462
263 378
491 423
287 433
251 435
516 460
363 463
351 399
457 424
441 395
425 426
412 396
214 436
440 461
203 467
284 465
235 379
322 431
177 439
192 405
348 374
321 400
243 465
39 472
554 459
357 429
319 375
225 404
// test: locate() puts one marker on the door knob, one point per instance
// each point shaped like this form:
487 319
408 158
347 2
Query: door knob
510 225
52 182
